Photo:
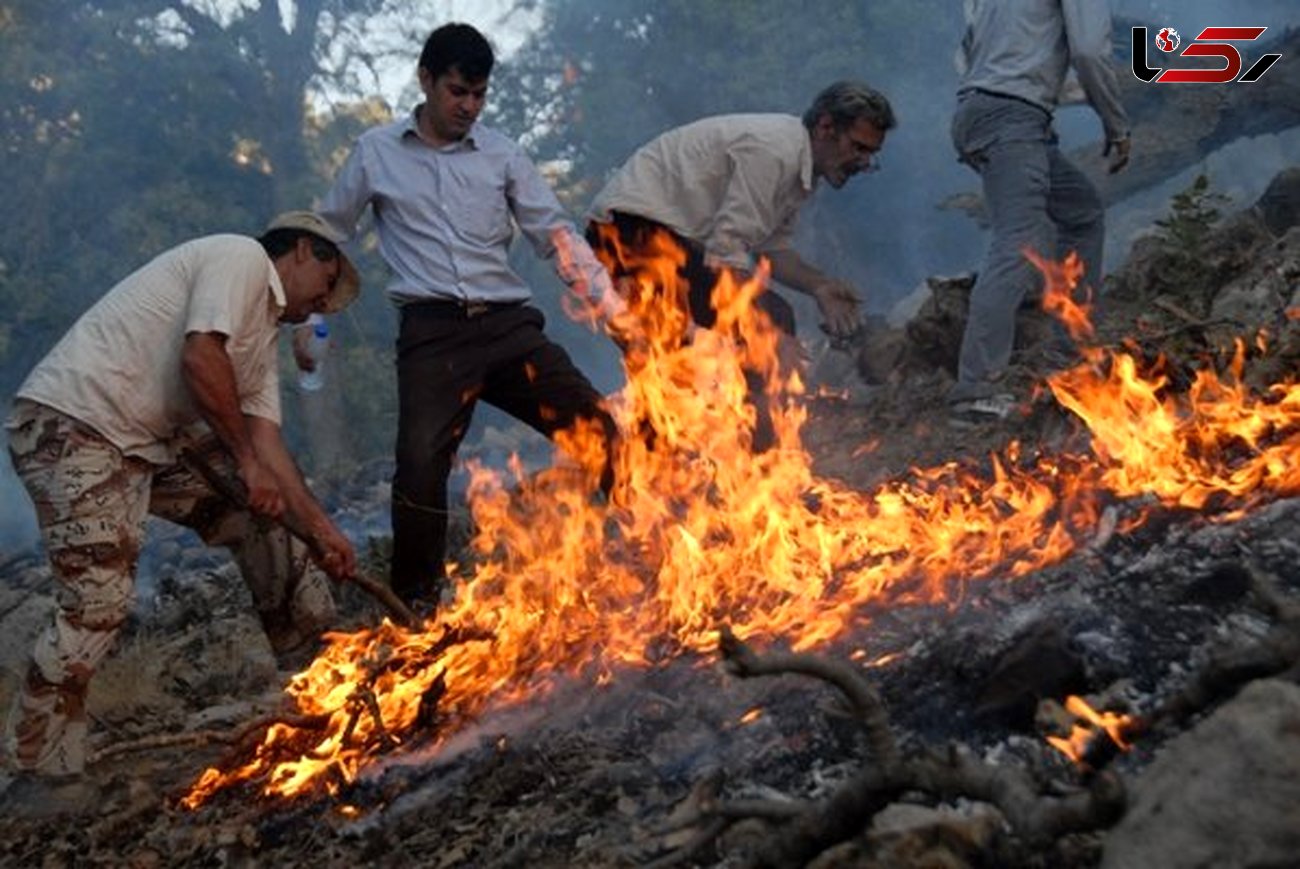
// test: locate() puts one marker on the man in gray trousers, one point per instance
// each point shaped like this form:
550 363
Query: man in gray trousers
1015 57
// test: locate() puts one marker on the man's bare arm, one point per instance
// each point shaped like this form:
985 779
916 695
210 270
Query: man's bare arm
335 553
210 376
835 298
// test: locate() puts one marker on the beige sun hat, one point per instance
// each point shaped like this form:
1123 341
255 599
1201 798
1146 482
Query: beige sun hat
348 284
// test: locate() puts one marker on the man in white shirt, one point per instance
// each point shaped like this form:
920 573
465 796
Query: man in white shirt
446 192
179 356
1015 57
729 189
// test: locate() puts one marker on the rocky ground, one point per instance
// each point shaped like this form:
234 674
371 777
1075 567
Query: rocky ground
624 774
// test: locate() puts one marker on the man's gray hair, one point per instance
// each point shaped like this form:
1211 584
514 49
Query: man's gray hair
846 101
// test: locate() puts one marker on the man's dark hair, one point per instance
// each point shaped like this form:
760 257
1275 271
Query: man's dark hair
460 47
278 242
846 101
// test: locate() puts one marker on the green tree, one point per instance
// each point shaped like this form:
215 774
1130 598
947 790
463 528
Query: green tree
130 125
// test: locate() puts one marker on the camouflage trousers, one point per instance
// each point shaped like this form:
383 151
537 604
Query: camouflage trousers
91 503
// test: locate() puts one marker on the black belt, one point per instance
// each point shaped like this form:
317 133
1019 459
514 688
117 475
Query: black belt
457 309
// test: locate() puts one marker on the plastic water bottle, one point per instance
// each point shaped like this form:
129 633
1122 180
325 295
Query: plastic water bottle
317 345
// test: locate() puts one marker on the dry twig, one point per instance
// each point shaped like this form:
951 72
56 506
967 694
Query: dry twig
234 736
802 830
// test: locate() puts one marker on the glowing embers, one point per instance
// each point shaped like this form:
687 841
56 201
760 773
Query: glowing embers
1094 737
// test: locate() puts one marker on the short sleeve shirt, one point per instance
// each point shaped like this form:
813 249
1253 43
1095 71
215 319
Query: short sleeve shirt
118 369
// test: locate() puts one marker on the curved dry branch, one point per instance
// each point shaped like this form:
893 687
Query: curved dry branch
801 831
1277 652
866 701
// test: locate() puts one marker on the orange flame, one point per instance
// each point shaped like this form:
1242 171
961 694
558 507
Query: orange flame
1058 293
700 530
1089 722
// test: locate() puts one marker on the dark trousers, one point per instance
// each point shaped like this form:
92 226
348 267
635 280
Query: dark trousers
448 359
635 235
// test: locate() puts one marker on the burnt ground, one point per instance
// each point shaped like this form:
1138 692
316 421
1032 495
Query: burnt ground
598 776
594 777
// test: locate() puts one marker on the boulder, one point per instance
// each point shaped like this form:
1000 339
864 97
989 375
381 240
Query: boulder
1279 204
1224 794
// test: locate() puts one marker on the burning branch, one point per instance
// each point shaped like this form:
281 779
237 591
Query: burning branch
332 738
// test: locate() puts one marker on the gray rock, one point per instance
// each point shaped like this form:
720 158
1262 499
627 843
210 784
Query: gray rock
1259 296
1224 794
1279 205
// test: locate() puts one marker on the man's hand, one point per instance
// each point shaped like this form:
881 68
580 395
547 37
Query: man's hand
1118 152
264 495
334 553
839 307
301 355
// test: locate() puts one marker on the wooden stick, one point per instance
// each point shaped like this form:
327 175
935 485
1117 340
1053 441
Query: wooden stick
867 703
207 737
233 491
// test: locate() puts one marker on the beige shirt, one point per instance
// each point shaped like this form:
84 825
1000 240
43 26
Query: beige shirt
118 369
733 183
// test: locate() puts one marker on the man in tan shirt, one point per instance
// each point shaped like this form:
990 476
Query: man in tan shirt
179 355
729 188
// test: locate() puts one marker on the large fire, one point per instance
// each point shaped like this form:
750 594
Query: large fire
700 531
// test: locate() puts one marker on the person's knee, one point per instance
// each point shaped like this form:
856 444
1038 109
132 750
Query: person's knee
309 611
1090 217
97 585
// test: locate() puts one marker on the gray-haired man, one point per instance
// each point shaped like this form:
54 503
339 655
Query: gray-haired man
730 187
